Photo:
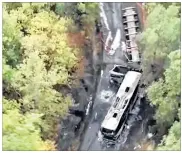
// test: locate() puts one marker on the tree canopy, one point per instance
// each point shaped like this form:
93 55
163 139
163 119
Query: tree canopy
165 93
22 132
160 37
36 57
161 42
172 141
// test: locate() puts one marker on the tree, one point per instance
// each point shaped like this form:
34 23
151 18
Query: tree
150 6
8 71
161 36
67 9
91 10
37 57
48 60
41 59
165 93
12 6
173 140
11 38
158 42
48 36
35 84
90 13
21 132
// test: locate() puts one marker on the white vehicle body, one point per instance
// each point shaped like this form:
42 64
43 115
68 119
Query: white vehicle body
113 122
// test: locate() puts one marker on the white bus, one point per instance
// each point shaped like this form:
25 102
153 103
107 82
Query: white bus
114 121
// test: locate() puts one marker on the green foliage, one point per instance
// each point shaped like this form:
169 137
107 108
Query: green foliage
164 93
167 4
60 9
92 12
48 37
69 10
172 141
33 81
9 105
173 81
36 56
83 14
66 9
26 12
158 42
11 38
8 72
20 132
12 6
150 6
162 34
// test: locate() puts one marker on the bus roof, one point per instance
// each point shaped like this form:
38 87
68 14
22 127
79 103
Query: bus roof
131 80
123 97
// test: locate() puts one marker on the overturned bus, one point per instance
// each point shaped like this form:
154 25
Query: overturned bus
116 117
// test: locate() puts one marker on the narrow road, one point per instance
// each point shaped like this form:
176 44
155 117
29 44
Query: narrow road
111 21
101 105
113 13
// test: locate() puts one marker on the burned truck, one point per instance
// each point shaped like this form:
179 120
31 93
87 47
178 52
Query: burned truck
131 29
118 72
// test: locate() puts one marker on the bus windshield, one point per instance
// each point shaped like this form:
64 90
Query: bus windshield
104 130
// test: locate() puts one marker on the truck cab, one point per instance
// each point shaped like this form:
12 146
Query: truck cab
117 74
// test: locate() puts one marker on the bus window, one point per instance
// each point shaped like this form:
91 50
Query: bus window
125 102
121 122
115 114
127 89
116 76
104 130
117 99
116 102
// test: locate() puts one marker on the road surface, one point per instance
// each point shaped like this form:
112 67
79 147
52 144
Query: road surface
136 130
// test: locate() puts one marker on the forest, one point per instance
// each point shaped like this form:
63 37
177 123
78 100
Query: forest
42 46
